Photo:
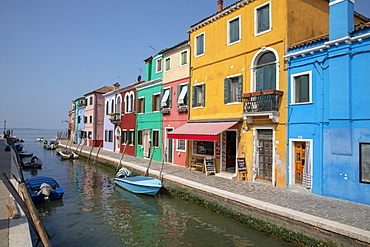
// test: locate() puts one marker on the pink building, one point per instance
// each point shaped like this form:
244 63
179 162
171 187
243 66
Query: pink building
175 100
94 114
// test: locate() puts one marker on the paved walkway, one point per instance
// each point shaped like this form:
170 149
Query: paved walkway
340 216
13 232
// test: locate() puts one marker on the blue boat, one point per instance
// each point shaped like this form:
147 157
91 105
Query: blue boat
140 185
44 188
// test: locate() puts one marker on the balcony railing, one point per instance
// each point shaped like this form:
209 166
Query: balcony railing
115 118
262 103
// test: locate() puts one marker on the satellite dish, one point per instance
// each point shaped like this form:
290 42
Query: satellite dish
139 78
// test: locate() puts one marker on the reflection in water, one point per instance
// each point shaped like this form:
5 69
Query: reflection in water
93 212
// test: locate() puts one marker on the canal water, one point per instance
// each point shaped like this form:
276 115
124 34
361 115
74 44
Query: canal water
94 212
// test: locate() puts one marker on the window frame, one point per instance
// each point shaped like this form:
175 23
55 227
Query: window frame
167 67
169 98
141 105
196 103
195 149
293 88
158 65
187 57
156 138
179 145
361 179
156 102
256 9
196 45
229 42
228 81
140 137
186 95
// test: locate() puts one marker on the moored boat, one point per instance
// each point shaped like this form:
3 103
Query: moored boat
44 188
140 184
24 154
32 162
67 154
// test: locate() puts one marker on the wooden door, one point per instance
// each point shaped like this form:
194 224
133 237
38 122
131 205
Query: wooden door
265 154
300 157
231 150
169 149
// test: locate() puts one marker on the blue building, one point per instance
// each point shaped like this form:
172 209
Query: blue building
80 133
329 119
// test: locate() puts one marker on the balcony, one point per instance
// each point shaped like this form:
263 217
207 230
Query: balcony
115 118
262 103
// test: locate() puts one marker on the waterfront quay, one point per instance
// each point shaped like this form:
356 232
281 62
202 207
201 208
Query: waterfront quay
341 222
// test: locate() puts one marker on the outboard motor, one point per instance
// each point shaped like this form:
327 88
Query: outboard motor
46 190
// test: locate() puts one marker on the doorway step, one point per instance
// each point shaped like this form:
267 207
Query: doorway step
227 175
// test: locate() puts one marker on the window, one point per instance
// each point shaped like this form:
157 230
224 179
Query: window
156 138
141 108
233 89
107 108
89 135
182 92
265 70
203 147
181 145
127 103
301 88
156 102
106 135
140 137
199 45
198 95
365 162
262 19
85 119
112 106
78 119
233 30
110 138
118 106
131 137
131 108
184 58
158 67
91 100
166 101
123 136
91 119
167 63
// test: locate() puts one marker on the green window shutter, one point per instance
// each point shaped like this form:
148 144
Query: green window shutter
263 18
194 96
187 95
170 98
272 76
203 94
178 94
227 82
259 79
234 30
302 90
240 89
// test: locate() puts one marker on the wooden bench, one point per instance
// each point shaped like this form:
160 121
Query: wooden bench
196 163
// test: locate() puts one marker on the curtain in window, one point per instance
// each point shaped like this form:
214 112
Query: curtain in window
263 18
302 89
234 30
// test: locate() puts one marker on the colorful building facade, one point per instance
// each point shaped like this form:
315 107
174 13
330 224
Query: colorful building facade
329 134
149 116
175 100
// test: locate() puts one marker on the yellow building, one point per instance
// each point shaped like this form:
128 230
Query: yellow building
238 87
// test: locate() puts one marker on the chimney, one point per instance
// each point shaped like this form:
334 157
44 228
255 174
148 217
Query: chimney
116 86
220 5
341 20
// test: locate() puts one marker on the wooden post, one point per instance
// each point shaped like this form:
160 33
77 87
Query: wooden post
150 161
97 154
79 145
22 204
163 159
35 216
119 164
90 154
82 147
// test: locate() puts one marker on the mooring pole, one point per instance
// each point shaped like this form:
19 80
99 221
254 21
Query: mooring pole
97 154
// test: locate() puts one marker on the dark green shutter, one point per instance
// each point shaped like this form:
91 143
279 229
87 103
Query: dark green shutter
227 82
194 96
170 98
178 94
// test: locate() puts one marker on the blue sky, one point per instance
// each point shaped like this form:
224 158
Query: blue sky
52 52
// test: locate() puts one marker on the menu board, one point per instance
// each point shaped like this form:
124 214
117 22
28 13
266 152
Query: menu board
241 165
210 165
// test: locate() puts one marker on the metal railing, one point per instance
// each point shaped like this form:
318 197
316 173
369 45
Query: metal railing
262 101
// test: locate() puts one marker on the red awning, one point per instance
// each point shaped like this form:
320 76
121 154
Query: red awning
200 131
